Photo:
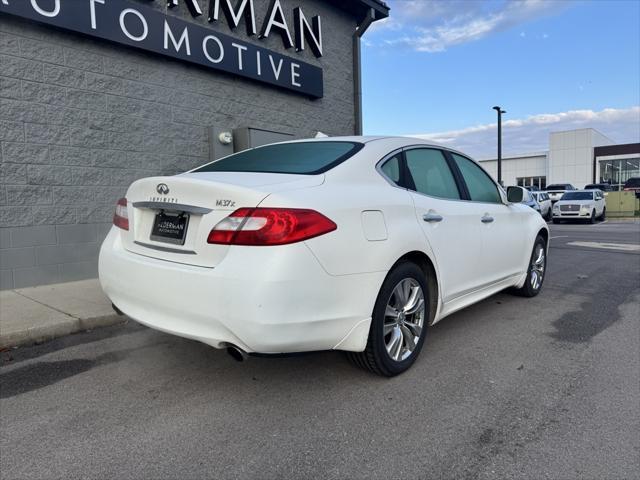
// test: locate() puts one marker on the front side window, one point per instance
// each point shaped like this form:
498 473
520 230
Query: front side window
481 187
431 174
306 158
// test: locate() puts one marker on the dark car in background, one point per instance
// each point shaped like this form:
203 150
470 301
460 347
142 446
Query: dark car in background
632 185
605 187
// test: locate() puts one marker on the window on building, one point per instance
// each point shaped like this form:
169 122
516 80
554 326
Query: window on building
617 172
540 182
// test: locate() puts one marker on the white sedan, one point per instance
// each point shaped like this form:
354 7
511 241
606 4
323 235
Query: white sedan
352 243
587 205
545 204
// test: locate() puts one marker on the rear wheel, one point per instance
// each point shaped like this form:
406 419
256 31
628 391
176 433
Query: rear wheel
398 323
537 269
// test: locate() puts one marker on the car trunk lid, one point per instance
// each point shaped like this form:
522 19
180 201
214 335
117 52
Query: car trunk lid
170 217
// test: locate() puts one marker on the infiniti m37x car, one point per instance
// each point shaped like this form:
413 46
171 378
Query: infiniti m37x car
352 243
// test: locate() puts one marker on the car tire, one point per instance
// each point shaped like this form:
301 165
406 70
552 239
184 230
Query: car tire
556 221
593 218
603 217
547 217
536 270
387 332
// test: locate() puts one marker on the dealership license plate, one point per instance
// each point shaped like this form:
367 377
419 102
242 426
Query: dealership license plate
170 228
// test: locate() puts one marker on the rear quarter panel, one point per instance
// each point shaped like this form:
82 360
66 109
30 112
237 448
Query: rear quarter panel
346 250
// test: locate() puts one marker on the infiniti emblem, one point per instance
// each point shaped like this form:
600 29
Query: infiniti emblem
162 189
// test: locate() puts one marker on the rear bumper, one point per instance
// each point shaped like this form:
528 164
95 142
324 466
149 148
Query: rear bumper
261 299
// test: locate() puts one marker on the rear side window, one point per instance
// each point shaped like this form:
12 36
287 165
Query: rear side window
306 158
481 187
431 174
391 168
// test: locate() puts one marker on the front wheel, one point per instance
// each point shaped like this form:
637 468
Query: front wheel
593 217
398 323
536 271
603 217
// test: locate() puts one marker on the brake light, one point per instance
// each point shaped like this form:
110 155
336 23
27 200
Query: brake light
121 216
270 226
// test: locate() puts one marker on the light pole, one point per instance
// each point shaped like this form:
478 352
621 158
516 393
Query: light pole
500 112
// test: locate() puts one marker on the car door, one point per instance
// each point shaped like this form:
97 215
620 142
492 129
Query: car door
500 224
451 225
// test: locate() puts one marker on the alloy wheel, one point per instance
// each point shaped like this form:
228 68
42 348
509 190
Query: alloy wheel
404 319
538 263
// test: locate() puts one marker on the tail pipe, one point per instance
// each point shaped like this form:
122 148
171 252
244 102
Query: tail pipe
236 353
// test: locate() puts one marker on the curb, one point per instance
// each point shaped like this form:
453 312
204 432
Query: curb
40 334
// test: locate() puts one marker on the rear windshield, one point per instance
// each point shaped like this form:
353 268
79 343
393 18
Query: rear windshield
306 158
577 196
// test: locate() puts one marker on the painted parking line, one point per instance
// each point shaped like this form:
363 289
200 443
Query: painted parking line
625 247
559 236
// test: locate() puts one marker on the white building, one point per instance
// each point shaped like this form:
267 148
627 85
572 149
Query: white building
578 157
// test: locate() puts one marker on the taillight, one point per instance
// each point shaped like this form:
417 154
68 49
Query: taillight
270 226
121 217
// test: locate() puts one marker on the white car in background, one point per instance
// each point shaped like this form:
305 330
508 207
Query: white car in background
556 190
352 243
545 204
587 205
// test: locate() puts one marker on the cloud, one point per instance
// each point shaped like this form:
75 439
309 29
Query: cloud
435 25
532 133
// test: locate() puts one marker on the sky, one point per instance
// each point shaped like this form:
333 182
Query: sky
435 68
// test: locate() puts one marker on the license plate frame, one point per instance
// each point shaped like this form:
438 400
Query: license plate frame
173 229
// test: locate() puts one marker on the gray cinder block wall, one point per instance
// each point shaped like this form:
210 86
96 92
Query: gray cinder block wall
80 119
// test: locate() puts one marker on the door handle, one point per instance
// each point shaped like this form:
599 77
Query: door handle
432 217
487 219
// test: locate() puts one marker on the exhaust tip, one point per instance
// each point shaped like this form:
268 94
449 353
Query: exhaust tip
236 353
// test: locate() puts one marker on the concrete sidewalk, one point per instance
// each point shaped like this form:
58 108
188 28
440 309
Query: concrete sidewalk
36 314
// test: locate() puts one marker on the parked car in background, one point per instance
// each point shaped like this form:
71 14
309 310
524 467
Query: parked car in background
556 190
356 244
529 200
533 188
632 185
605 187
545 204
587 205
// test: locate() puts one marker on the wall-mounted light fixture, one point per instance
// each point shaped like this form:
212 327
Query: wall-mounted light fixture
225 138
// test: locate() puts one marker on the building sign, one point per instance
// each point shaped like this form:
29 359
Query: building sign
137 25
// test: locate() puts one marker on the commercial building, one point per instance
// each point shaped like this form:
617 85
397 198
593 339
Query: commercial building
578 157
95 94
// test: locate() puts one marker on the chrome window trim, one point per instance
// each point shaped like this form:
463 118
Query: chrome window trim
434 147
384 160
164 249
178 207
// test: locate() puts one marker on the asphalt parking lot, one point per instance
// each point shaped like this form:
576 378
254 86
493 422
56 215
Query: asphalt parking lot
509 388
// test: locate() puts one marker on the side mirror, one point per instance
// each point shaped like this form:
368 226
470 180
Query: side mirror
515 194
